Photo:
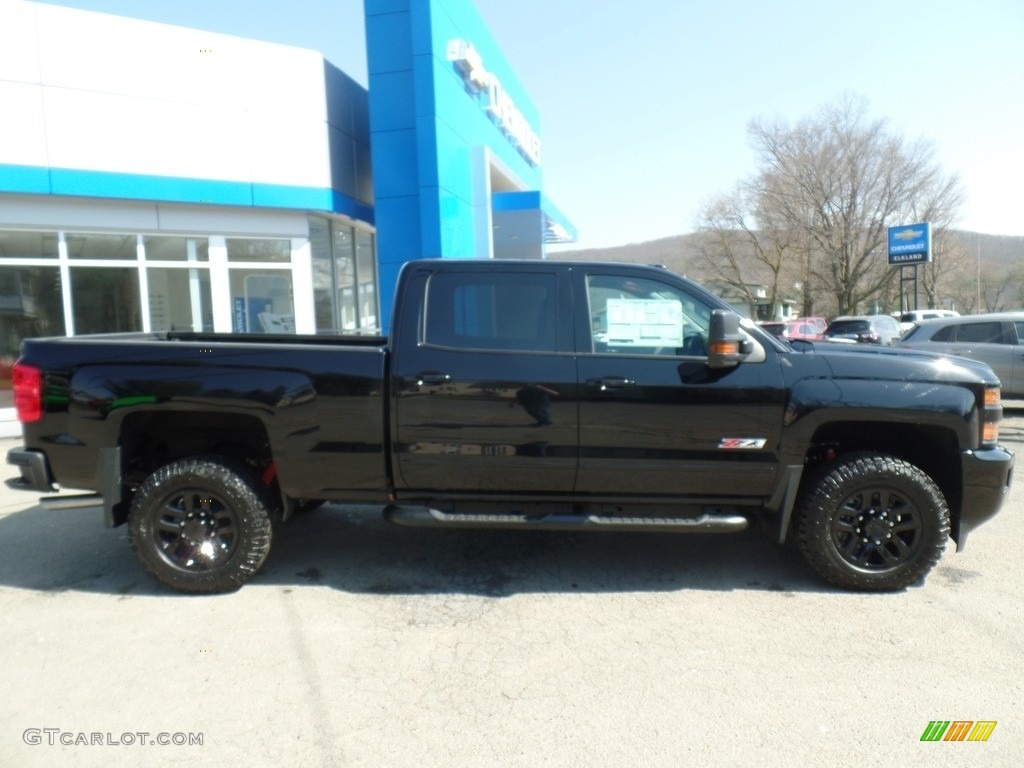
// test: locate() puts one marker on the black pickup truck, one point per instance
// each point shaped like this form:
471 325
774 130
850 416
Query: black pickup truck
539 394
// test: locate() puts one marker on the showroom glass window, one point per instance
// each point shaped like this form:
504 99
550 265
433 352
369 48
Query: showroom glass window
31 302
344 276
106 299
178 283
104 294
261 291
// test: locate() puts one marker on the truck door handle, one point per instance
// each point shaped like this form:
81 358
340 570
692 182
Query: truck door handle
611 382
432 377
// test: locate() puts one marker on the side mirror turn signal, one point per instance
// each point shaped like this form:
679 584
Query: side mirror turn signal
728 346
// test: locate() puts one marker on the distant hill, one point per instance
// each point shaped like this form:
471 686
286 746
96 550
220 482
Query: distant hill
679 252
676 253
1001 250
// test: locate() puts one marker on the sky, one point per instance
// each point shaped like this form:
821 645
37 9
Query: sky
645 104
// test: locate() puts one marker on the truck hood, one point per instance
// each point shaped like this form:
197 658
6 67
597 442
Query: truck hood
868 361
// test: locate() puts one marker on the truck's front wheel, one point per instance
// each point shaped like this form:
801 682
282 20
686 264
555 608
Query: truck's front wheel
872 522
201 524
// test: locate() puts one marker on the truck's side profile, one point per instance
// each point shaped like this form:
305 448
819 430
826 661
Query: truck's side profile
519 394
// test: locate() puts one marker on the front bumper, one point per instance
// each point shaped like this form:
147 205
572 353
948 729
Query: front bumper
35 471
987 475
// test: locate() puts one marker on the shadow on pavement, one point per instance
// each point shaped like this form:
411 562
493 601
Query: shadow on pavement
353 549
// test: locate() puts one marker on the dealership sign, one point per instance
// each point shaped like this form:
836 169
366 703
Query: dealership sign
910 244
499 105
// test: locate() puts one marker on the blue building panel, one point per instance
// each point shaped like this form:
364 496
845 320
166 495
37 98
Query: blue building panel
282 196
454 237
342 158
389 6
450 165
25 179
457 227
400 241
388 41
394 164
393 108
425 102
459 20
516 201
172 189
342 94
465 99
312 199
79 183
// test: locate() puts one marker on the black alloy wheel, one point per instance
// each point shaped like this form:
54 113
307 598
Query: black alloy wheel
202 524
872 522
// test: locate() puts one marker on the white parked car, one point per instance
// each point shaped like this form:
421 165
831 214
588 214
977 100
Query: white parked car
909 319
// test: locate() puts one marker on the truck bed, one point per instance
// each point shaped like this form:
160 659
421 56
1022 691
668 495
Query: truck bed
317 402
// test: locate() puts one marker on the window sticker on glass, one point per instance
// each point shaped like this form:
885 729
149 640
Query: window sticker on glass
645 322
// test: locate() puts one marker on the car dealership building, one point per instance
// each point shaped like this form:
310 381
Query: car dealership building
156 178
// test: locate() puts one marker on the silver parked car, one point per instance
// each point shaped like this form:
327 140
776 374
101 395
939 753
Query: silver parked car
996 339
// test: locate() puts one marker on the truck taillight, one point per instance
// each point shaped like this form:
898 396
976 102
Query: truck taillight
27 383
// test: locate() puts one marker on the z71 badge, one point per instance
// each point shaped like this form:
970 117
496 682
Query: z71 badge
742 443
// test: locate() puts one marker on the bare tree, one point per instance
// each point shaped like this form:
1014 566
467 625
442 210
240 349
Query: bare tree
842 180
994 285
993 289
947 271
741 246
1018 281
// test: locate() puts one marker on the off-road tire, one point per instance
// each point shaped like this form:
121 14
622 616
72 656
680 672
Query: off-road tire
202 524
871 522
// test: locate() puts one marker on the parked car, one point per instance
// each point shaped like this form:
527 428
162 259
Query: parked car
793 329
821 322
909 319
995 338
801 329
864 329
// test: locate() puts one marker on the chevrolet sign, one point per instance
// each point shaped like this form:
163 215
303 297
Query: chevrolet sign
910 244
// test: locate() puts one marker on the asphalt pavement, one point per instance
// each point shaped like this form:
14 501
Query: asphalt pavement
362 644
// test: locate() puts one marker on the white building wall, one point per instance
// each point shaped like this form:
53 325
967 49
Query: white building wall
112 126
105 93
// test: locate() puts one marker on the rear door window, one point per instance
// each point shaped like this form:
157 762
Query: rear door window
988 332
492 311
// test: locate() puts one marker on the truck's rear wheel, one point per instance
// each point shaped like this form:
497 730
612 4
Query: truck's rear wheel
201 524
872 522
